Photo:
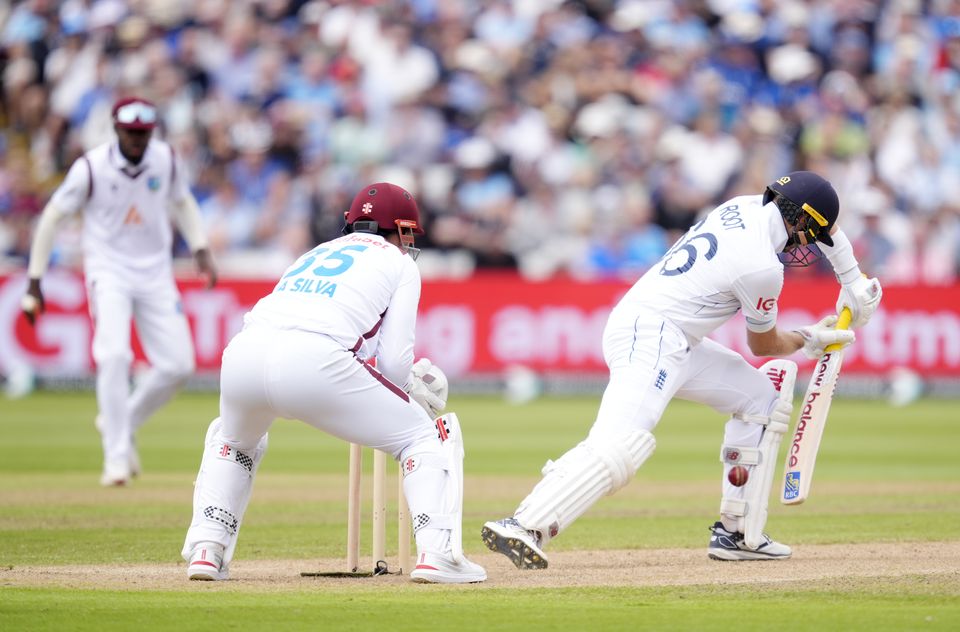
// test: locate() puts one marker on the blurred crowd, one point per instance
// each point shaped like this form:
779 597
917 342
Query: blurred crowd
548 136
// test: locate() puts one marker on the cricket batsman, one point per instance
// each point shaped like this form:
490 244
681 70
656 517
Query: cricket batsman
655 347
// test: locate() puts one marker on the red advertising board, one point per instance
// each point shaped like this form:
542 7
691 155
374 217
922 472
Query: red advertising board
492 321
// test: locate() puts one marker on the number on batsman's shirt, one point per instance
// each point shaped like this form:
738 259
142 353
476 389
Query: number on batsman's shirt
301 278
726 263
346 289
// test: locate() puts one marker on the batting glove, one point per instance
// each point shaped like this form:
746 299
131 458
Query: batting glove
862 296
818 337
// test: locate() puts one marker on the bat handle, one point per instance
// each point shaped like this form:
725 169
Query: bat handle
843 322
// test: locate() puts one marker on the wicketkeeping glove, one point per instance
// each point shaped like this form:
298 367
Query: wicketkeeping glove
821 335
428 387
862 296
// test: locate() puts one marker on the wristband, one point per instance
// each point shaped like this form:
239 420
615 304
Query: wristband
841 258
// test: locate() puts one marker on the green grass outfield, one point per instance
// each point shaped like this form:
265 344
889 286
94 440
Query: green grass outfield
887 477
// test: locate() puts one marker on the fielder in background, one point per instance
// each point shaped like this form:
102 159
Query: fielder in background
128 191
655 347
305 353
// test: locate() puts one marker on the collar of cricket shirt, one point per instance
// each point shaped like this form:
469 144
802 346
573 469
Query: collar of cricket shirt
124 166
778 233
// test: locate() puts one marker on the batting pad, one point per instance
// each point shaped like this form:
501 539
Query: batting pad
433 485
449 425
222 492
749 507
596 467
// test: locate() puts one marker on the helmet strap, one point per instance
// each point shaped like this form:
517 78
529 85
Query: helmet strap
365 226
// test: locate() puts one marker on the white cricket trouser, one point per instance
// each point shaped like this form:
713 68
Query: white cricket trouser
651 363
269 373
165 337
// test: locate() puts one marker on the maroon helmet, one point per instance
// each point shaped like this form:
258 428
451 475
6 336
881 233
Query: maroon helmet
383 207
134 113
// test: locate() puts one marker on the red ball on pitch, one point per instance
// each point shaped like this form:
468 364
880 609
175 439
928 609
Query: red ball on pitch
738 476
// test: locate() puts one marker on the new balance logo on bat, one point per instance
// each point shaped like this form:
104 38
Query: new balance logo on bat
821 369
805 415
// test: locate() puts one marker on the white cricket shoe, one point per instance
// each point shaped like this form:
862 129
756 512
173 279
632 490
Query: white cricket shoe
520 545
115 474
205 563
730 547
437 568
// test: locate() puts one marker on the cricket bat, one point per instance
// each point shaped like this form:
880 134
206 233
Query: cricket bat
802 453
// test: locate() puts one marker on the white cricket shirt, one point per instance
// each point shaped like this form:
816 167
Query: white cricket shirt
127 230
725 263
358 289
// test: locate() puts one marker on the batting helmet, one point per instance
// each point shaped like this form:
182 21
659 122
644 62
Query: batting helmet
381 208
810 205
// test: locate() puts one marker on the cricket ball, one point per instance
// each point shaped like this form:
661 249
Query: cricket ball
738 476
29 303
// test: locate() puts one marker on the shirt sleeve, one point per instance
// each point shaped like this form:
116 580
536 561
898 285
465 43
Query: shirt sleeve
179 187
72 194
758 293
397 333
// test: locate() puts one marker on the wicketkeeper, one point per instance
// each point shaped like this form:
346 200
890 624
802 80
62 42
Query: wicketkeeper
655 347
304 354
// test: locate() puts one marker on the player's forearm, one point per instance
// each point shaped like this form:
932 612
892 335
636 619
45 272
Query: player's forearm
186 214
775 343
42 246
841 257
789 343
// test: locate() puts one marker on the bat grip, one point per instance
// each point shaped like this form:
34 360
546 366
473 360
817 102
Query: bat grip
843 322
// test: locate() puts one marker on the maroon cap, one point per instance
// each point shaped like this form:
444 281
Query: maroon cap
134 113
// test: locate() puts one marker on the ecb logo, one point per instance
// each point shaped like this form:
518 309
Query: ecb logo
153 183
